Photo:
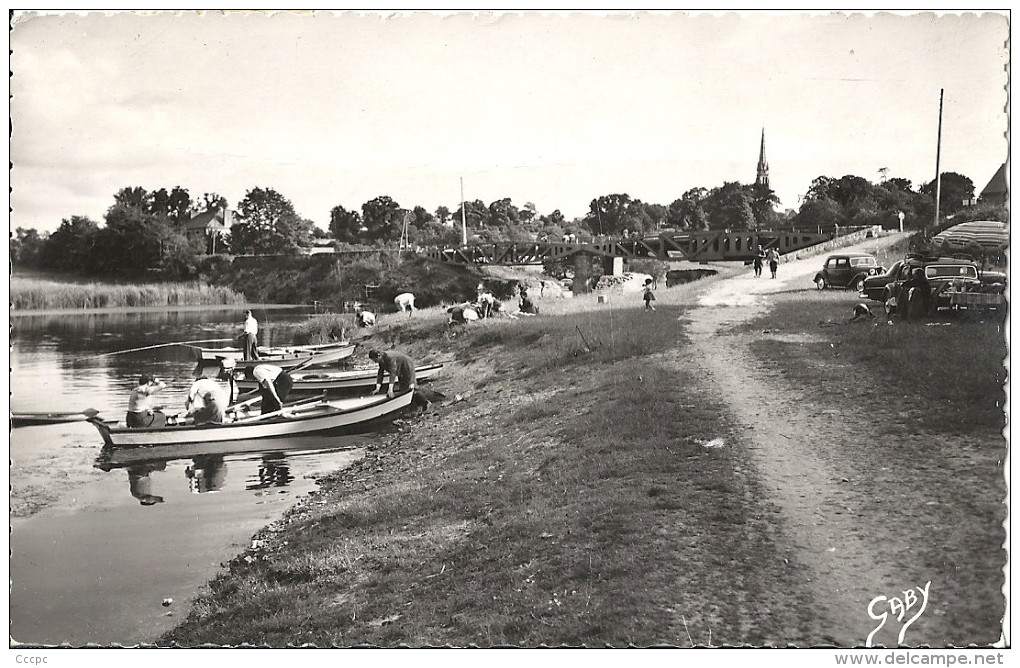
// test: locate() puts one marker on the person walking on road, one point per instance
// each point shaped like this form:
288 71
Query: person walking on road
759 261
773 257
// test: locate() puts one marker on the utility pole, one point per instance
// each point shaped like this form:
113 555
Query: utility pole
938 157
463 215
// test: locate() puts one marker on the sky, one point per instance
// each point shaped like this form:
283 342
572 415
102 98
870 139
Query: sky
553 109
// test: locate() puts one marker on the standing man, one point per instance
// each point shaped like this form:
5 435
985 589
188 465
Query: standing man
399 366
773 256
759 261
250 337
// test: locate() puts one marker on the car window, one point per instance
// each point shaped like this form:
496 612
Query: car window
841 263
951 270
863 262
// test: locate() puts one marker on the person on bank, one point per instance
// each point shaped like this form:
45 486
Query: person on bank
207 401
141 410
249 337
400 368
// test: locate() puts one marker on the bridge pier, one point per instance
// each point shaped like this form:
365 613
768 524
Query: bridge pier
582 274
612 266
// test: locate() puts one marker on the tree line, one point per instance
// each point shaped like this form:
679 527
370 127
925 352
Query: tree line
143 234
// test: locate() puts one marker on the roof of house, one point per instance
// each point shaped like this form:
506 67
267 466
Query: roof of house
997 185
216 218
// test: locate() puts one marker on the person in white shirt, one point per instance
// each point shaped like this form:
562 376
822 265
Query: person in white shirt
207 401
250 337
274 384
141 410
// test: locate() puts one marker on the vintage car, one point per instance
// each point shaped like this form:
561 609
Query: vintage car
954 283
847 270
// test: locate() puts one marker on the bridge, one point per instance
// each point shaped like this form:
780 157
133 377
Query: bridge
711 246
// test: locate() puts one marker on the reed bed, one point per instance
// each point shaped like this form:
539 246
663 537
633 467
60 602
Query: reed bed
33 294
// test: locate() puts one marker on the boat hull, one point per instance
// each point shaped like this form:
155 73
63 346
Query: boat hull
29 419
340 381
320 417
284 357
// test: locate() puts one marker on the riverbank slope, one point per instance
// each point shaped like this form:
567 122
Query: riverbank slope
602 474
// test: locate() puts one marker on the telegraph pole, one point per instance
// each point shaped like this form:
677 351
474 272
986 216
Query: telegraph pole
463 215
938 157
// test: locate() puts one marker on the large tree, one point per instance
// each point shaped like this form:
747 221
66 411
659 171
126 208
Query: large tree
688 212
383 219
955 191
268 225
729 207
72 246
344 225
617 213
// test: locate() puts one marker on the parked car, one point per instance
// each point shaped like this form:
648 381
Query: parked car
945 274
847 270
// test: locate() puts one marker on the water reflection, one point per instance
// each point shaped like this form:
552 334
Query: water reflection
274 471
207 473
207 468
140 482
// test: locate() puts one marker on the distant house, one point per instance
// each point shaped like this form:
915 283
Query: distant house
996 192
211 225
320 246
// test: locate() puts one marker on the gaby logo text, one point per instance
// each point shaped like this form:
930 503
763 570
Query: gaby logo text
881 608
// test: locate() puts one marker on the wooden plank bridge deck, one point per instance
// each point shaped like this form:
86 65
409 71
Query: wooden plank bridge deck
713 246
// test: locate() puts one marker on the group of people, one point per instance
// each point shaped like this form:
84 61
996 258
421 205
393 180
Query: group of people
208 401
762 256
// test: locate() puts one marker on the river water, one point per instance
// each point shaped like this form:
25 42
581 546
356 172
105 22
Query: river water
113 554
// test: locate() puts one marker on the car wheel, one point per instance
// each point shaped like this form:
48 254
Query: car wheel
859 285
820 283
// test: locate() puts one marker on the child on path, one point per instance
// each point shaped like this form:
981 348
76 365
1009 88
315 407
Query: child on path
649 296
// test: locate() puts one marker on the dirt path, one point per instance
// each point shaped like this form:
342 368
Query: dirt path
826 534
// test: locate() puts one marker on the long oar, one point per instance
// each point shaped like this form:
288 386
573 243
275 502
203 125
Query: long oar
256 418
158 345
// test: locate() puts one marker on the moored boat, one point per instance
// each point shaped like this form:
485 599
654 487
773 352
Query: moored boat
25 419
322 415
337 381
284 357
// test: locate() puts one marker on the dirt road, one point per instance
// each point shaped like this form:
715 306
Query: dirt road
790 440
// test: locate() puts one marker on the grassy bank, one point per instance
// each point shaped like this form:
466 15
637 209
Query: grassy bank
573 491
33 294
567 498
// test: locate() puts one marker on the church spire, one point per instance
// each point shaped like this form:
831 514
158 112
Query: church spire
763 165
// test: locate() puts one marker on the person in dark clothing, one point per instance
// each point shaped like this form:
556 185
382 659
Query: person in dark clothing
274 384
915 296
400 368
759 261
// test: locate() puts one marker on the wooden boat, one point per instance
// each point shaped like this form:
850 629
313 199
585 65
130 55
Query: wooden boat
337 381
286 357
315 416
25 419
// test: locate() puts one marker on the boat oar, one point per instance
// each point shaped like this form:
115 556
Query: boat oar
307 362
276 413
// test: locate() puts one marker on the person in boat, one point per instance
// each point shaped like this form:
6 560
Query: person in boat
207 400
249 337
274 384
141 410
399 366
